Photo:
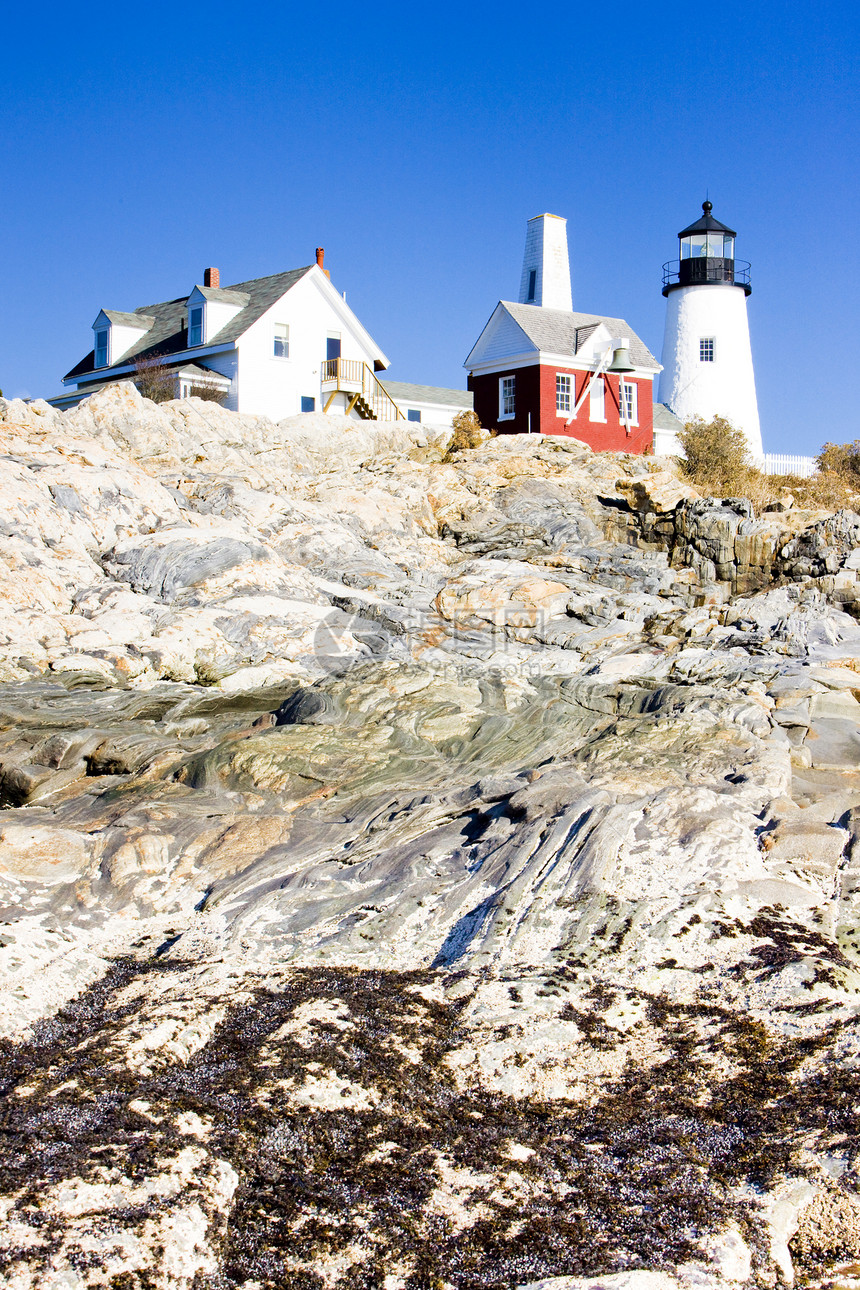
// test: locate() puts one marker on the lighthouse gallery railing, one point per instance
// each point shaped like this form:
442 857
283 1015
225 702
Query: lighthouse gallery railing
704 269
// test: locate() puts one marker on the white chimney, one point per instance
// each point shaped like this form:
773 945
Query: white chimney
546 267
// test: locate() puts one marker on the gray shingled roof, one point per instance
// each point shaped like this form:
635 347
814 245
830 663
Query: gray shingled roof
128 320
223 295
557 331
168 334
403 392
665 419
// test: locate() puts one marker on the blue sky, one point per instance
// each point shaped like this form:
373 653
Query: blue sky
142 144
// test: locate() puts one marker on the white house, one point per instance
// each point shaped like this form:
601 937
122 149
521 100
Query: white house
429 403
273 346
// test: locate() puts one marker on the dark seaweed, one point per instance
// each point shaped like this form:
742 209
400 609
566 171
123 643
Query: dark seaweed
631 1178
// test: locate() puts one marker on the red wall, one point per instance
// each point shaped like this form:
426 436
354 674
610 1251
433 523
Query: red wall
535 393
528 400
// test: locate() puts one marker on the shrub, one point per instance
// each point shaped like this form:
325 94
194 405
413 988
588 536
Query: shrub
841 459
208 393
467 432
153 380
716 459
716 456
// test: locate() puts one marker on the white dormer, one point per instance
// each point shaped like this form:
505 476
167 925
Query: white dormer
209 311
115 333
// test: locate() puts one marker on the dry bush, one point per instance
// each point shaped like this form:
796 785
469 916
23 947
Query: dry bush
842 460
826 492
467 432
716 457
717 461
153 380
208 393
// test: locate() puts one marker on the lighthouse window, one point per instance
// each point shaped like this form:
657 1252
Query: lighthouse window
712 244
706 349
507 398
629 404
562 393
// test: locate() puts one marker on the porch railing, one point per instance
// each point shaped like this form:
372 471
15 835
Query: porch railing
358 380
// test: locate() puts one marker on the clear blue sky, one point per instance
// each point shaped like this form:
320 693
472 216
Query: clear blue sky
143 143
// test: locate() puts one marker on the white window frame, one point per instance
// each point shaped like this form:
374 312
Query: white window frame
629 400
563 394
507 398
106 351
597 400
707 349
192 344
282 334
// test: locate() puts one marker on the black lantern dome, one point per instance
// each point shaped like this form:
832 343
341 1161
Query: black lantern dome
707 256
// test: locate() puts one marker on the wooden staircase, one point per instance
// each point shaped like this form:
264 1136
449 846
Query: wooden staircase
367 396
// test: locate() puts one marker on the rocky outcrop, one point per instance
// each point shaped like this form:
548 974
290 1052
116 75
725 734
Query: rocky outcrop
725 544
418 868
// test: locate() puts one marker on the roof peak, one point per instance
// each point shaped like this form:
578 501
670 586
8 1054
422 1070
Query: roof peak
707 223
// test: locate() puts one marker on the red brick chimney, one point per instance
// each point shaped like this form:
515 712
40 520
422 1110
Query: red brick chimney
320 259
211 278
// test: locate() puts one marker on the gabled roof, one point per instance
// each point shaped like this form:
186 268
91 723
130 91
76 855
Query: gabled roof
403 392
221 295
139 320
168 334
195 369
564 332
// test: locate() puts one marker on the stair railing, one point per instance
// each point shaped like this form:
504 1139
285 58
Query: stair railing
357 377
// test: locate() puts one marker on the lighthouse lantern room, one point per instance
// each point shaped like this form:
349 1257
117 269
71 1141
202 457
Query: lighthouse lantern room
707 254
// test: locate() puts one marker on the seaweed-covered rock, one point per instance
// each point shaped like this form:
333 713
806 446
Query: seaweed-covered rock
418 871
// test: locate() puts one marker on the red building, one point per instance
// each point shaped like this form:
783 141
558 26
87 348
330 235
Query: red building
547 370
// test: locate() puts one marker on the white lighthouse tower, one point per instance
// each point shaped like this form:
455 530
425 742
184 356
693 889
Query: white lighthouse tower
707 360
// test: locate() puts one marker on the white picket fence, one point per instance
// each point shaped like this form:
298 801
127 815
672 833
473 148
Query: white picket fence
776 463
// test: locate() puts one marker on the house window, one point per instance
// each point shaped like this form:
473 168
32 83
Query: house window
597 400
629 404
308 403
332 345
532 285
195 326
507 397
282 340
413 414
102 348
706 349
562 393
